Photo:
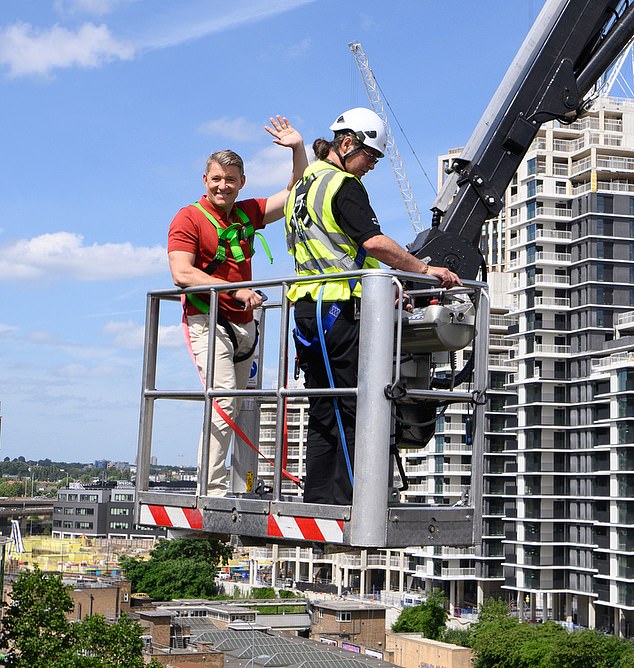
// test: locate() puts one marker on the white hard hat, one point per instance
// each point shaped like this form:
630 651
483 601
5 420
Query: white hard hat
366 125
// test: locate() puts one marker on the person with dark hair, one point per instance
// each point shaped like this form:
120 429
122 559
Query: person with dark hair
330 228
212 242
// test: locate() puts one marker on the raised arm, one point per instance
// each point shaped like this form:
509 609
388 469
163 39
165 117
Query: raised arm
284 134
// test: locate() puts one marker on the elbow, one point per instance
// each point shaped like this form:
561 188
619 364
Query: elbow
180 280
373 244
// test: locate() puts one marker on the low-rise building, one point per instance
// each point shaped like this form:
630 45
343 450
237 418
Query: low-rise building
358 622
100 510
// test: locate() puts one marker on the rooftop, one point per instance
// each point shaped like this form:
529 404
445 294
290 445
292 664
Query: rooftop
342 604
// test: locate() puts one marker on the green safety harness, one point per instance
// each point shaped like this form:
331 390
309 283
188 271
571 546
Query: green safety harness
229 240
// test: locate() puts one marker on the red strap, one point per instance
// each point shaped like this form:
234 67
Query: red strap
238 432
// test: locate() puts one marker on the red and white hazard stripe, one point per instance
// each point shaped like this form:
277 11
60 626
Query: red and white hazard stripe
305 528
171 516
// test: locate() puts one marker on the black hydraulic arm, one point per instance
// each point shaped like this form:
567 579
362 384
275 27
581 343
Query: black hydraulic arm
571 44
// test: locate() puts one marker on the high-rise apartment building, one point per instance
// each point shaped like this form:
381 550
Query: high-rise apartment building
558 503
570 214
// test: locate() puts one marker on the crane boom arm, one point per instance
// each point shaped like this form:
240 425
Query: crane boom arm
571 44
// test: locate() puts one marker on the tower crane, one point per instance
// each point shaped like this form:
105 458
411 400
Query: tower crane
376 103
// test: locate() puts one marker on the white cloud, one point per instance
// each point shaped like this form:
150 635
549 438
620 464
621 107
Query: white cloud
63 254
27 51
368 22
129 335
7 330
236 13
235 129
91 7
269 168
299 49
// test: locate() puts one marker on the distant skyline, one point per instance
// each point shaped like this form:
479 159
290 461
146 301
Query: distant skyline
110 108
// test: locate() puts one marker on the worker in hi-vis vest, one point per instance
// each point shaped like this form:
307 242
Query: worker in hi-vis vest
330 228
211 242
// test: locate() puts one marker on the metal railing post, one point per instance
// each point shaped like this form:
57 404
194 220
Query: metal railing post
282 379
203 469
244 462
481 365
148 382
372 433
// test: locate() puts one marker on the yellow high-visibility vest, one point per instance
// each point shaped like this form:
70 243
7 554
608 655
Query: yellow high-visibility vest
315 240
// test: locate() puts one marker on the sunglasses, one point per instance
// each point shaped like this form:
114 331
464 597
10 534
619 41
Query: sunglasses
372 156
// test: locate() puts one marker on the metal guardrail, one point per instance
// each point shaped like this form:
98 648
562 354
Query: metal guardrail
372 519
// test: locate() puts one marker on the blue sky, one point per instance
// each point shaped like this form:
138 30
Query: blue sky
109 110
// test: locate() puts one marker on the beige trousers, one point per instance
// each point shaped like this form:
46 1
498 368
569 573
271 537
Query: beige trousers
227 375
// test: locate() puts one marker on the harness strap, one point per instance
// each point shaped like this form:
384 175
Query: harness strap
224 322
229 238
248 234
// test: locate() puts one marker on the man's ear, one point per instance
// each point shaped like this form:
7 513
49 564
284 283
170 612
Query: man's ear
243 180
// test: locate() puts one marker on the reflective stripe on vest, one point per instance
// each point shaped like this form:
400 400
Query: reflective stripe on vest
313 237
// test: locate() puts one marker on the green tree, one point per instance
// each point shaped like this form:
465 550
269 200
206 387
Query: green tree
460 637
500 641
105 645
428 618
262 593
493 609
180 568
589 648
35 632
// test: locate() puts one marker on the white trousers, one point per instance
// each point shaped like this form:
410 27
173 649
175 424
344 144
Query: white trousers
227 375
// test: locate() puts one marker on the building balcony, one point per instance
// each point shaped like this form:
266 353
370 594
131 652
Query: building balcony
554 235
551 212
548 349
458 573
614 164
616 186
602 364
545 280
553 302
556 258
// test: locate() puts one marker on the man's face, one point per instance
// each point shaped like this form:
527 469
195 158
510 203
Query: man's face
223 185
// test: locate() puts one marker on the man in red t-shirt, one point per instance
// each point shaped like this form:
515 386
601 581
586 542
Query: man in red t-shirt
210 242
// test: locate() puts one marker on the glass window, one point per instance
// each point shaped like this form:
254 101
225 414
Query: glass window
344 616
120 511
604 203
